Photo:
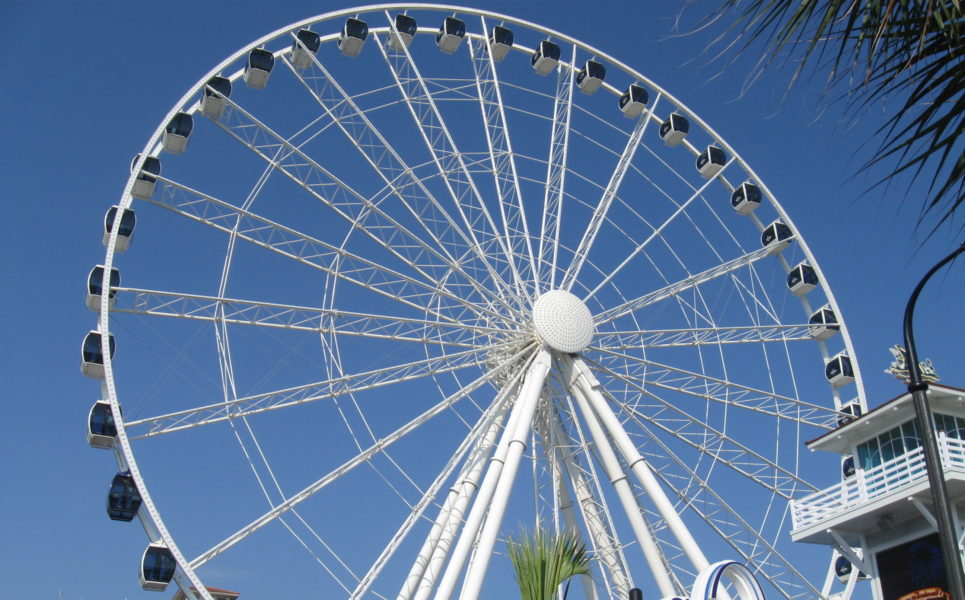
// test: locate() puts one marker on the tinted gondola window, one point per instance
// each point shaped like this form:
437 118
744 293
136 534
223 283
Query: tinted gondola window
405 24
102 420
123 499
158 565
309 39
127 221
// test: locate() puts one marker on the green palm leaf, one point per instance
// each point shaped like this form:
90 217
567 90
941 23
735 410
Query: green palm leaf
544 561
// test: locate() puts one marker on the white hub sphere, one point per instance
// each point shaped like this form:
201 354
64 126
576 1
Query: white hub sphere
563 321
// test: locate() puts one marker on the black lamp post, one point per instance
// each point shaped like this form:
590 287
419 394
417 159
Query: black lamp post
947 535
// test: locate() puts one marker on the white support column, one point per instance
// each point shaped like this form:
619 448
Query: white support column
619 480
528 401
443 531
583 379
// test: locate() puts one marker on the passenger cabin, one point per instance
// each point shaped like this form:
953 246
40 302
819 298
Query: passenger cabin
777 236
91 355
674 129
177 132
304 47
123 499
403 32
258 68
633 101
352 37
711 161
125 228
157 567
746 198
146 179
823 324
838 370
802 279
213 102
545 57
101 430
95 285
591 77
500 42
450 35
878 514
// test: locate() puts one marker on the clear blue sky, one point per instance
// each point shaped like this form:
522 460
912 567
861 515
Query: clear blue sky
85 84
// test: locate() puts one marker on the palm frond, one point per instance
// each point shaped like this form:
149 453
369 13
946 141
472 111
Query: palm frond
544 561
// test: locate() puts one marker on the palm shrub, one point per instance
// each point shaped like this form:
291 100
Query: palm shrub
543 561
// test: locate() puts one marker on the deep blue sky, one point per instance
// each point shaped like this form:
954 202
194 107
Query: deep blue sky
85 84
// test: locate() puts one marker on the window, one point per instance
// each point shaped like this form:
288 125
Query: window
890 445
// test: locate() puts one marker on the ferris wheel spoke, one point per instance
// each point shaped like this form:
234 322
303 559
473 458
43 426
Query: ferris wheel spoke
312 392
701 336
674 289
334 193
502 157
556 168
727 393
609 194
392 169
328 258
745 538
694 431
450 162
681 208
298 318
363 457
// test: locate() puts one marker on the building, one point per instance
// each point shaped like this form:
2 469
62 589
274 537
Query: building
216 593
879 517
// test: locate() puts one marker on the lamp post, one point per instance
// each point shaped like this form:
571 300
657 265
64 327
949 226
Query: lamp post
948 539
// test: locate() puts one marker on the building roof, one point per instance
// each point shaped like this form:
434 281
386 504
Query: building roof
884 417
227 594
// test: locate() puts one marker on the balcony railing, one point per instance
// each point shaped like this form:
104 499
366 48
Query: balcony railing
869 484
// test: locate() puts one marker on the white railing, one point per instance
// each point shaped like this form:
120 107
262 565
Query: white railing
868 484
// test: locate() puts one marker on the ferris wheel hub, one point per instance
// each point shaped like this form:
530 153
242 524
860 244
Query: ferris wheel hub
563 321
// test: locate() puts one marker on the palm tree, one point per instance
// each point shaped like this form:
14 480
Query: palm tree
876 49
544 561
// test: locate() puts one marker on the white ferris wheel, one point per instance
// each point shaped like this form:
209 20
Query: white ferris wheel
410 279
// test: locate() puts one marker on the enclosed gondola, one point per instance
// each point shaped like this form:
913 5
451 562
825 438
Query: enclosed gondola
402 33
843 568
123 499
500 42
450 35
849 412
304 47
711 161
124 231
213 102
776 237
674 129
258 68
634 101
823 324
847 467
177 132
91 356
352 37
838 371
591 77
746 198
802 279
545 57
157 567
101 430
95 284
146 179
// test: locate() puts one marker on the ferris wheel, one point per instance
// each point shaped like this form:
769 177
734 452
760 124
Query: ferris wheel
407 280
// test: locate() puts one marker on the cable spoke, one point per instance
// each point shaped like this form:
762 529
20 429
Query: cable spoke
612 188
298 318
397 175
501 154
676 288
363 457
312 392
